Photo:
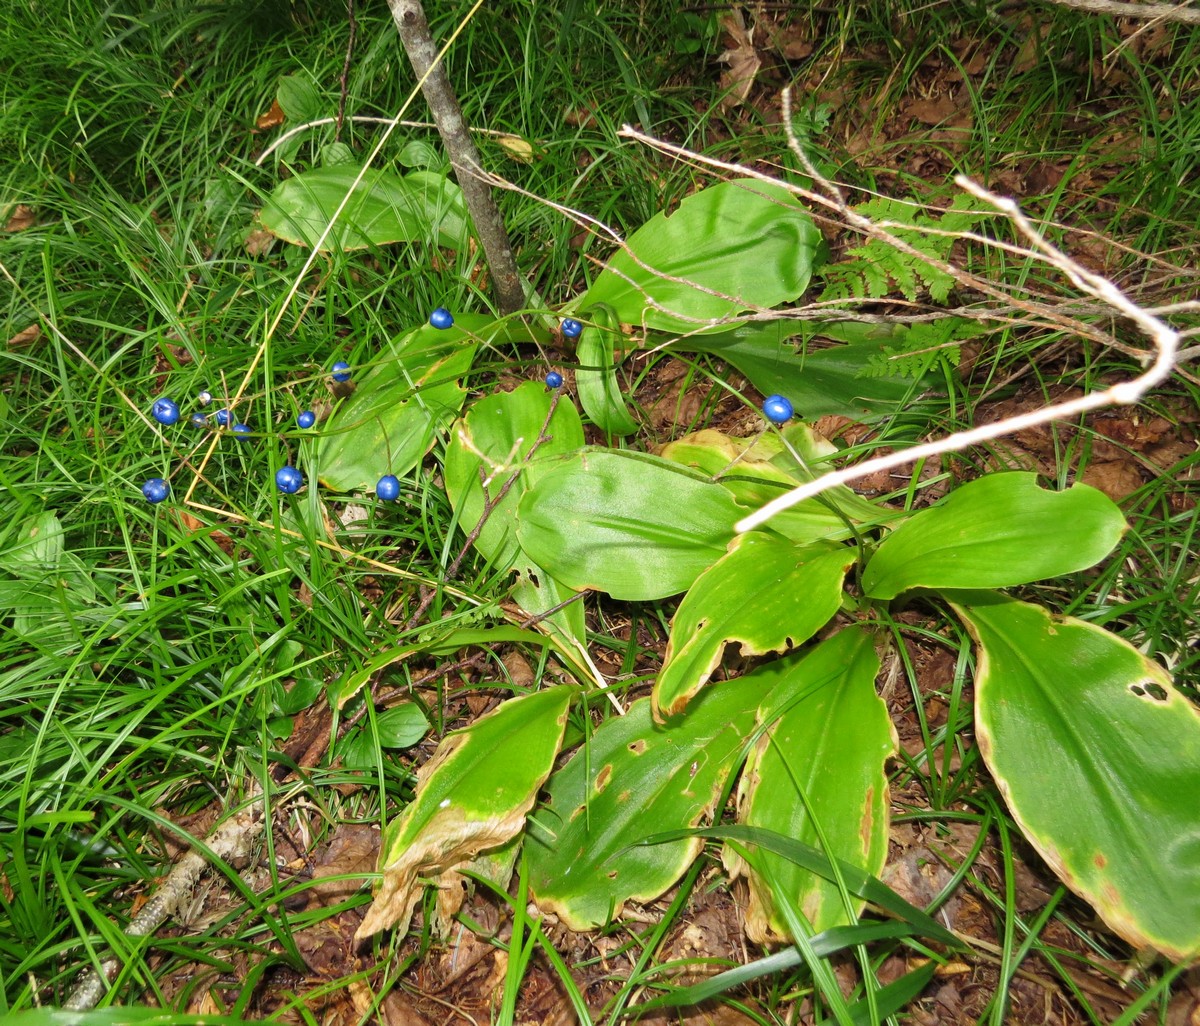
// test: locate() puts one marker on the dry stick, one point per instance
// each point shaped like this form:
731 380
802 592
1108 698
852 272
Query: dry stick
345 79
1164 337
1119 9
409 17
232 839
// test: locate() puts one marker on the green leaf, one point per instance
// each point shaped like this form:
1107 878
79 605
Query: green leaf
759 469
401 727
596 375
631 780
1095 752
819 382
38 547
497 435
857 882
766 594
298 99
399 405
823 759
995 532
472 796
383 208
728 249
637 527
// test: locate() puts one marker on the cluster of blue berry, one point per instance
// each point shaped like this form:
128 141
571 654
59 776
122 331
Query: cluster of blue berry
289 479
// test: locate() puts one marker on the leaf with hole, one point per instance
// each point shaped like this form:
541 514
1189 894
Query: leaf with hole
1095 752
464 805
995 532
637 527
766 595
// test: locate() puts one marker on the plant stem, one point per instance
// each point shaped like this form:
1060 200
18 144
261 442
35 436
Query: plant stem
409 17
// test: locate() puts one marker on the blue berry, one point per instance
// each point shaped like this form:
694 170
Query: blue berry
199 420
224 417
388 488
156 489
204 398
554 380
307 419
242 431
341 371
777 409
441 318
165 411
571 328
289 480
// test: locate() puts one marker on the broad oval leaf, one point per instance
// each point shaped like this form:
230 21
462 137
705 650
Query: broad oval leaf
995 532
774 357
634 779
766 594
730 248
399 405
497 435
637 527
1095 752
464 805
383 208
823 759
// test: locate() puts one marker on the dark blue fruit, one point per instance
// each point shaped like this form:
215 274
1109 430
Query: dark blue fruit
341 371
571 328
307 419
388 488
777 409
165 411
289 480
554 380
156 489
441 318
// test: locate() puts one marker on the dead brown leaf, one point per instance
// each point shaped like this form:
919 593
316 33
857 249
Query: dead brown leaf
25 337
259 242
271 119
20 218
743 60
352 851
